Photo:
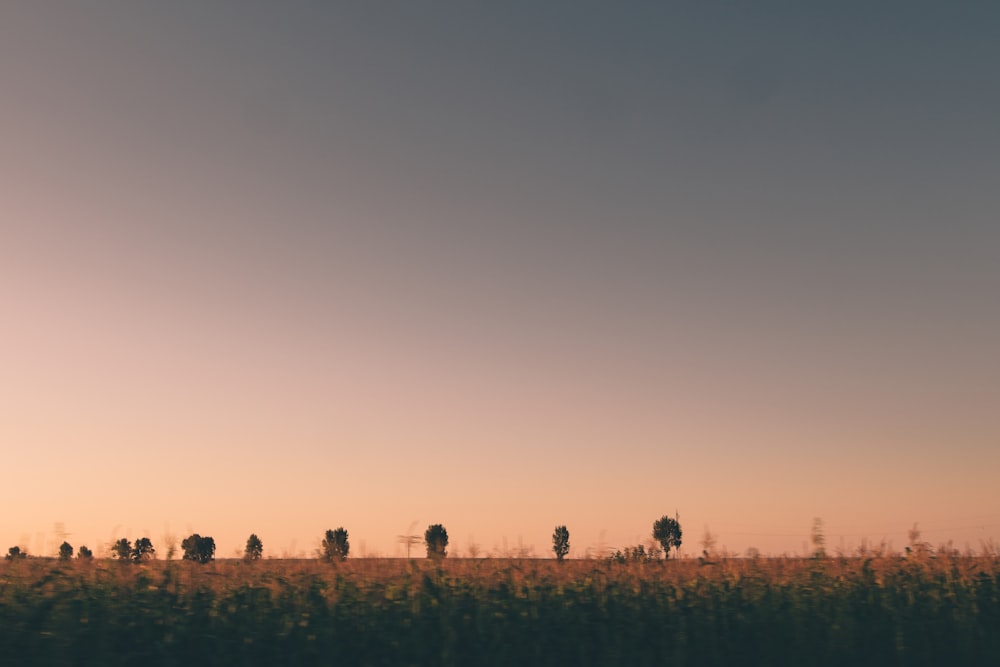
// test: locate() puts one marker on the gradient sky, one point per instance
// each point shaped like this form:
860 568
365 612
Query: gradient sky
282 267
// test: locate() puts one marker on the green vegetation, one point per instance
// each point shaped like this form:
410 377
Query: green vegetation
880 611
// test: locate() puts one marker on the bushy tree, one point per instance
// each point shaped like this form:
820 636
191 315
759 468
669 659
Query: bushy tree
667 531
122 549
436 539
560 542
254 549
65 551
83 553
197 548
15 553
335 545
143 550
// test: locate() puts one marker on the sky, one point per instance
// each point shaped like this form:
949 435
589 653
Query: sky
283 267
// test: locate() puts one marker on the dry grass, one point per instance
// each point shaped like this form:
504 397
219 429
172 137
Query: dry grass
873 610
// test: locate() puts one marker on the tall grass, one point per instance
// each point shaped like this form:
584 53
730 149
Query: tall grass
861 611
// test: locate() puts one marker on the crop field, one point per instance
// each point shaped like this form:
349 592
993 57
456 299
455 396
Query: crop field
837 611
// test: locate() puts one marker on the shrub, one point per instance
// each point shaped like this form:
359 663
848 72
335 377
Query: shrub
636 554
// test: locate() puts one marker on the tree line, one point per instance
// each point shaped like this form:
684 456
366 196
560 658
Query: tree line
335 546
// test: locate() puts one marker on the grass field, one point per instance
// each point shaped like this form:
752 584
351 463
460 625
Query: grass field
848 611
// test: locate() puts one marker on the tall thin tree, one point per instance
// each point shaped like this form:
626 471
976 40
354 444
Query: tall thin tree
560 542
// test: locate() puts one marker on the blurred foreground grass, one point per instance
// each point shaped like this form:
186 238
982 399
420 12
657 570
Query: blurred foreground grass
859 611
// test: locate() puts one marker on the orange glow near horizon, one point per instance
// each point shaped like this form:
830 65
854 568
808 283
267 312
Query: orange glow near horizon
322 267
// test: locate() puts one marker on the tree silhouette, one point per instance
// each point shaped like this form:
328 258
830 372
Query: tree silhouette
667 531
84 553
65 551
818 539
636 554
15 553
122 549
560 542
436 539
335 545
143 550
254 549
197 548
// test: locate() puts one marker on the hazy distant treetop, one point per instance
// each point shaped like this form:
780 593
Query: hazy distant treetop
818 538
636 554
436 539
65 551
15 553
84 553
